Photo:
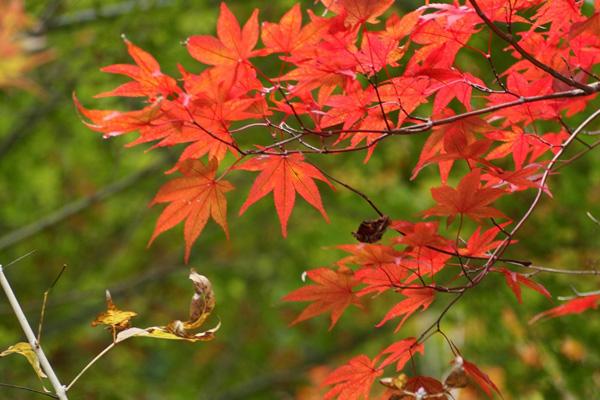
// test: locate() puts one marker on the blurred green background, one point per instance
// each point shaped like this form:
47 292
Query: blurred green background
79 200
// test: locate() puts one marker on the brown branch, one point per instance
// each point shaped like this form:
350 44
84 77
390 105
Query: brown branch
426 126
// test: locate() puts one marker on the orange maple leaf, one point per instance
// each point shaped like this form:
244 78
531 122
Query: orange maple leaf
192 198
359 11
282 37
332 293
353 380
148 80
468 199
284 176
233 44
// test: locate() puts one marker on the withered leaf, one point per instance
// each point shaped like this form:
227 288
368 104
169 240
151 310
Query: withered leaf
25 349
371 231
203 301
457 378
398 382
162 332
202 304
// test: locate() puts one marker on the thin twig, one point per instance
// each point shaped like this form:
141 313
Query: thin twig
103 352
19 258
8 385
563 271
594 219
43 312
579 294
358 192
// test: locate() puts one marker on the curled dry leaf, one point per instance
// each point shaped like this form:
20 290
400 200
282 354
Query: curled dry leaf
371 231
24 349
203 302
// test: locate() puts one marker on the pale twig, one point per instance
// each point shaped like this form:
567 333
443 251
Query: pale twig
594 219
562 271
103 352
579 294
44 363
19 258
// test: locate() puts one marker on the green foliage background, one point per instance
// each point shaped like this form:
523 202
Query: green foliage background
79 200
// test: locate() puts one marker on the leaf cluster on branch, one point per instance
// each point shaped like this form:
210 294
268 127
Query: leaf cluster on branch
350 78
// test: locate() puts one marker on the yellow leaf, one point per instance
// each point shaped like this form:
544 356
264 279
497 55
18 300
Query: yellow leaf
26 351
118 320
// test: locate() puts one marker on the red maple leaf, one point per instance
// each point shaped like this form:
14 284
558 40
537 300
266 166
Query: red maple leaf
233 44
193 198
468 199
331 293
446 138
521 179
574 306
400 352
415 299
370 255
420 234
353 380
480 243
381 278
514 280
284 176
480 377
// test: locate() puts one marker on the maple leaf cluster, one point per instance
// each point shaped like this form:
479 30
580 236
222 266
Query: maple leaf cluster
350 78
